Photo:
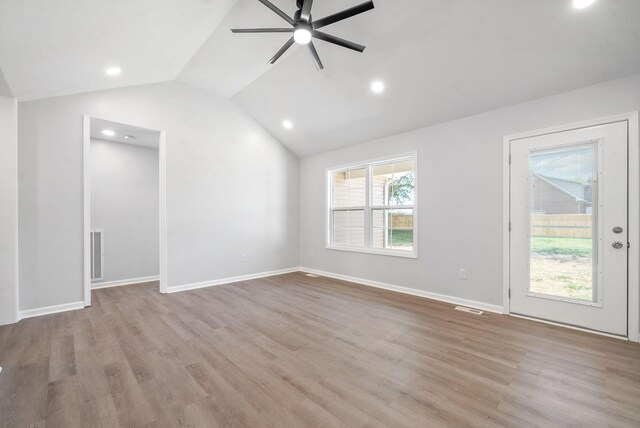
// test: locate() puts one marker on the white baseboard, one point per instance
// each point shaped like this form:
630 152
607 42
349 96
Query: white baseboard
30 313
121 282
193 286
229 280
412 291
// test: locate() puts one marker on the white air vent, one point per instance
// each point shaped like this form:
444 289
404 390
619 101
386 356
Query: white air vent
97 254
470 310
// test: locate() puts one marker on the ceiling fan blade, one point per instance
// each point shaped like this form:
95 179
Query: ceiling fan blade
337 41
262 30
282 50
280 13
314 54
306 10
347 13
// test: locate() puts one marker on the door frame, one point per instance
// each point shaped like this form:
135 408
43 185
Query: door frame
633 278
86 223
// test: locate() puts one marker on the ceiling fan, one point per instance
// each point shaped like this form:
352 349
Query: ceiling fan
304 28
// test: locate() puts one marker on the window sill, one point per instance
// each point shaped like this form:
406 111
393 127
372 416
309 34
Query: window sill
380 252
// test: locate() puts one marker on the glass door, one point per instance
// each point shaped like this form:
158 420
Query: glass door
568 204
563 224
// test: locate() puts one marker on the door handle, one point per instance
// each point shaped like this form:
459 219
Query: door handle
617 245
618 229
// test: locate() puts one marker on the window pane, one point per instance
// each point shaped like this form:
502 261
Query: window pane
563 192
348 227
392 229
377 196
348 188
393 183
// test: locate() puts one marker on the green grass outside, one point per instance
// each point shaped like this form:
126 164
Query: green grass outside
401 237
539 245
562 246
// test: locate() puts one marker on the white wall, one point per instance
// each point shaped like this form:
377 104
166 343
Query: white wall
124 203
232 189
460 201
8 210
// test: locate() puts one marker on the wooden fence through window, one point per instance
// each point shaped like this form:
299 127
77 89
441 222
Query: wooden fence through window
561 225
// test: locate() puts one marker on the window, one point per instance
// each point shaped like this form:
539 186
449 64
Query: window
372 207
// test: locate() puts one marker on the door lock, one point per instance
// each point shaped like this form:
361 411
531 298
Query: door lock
618 229
617 245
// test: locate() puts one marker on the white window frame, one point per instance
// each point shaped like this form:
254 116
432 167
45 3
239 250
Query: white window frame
368 209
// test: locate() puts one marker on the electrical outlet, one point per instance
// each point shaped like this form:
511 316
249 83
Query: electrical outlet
243 258
462 274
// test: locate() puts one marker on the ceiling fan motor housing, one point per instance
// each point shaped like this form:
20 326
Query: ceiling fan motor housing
297 16
302 25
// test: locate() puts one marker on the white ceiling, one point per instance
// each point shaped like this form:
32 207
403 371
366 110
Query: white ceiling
439 59
141 136
50 48
228 62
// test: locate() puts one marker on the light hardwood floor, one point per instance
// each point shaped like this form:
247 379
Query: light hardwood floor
293 351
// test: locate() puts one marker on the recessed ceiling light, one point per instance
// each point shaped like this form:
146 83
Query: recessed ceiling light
377 87
108 132
113 71
582 4
302 36
287 124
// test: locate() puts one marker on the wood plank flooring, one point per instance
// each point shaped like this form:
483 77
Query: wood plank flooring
294 351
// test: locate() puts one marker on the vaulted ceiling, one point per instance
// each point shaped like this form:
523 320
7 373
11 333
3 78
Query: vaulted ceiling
50 48
439 59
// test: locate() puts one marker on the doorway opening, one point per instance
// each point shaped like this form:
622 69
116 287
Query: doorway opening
124 225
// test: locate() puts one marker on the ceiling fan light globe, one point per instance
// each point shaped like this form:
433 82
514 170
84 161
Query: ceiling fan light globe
302 36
